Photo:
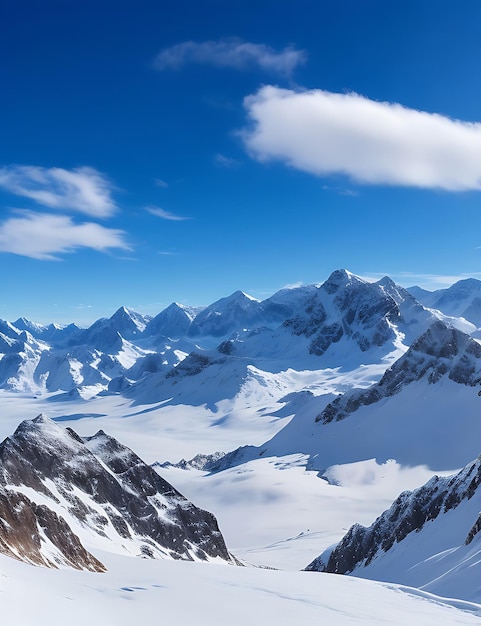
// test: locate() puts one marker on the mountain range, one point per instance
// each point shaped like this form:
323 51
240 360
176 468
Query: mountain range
349 380
341 322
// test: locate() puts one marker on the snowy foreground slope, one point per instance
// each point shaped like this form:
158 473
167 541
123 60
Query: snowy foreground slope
137 591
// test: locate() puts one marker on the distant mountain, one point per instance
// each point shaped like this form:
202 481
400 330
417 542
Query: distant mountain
99 489
173 322
463 299
346 321
54 334
234 313
428 538
419 293
342 323
107 334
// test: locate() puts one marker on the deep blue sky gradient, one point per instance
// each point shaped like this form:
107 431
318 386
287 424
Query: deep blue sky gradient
79 88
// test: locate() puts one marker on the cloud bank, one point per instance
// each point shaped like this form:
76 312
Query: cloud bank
231 53
371 142
43 236
83 189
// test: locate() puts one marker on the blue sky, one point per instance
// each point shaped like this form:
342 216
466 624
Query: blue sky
157 151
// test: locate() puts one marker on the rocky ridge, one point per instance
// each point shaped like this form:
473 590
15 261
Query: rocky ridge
98 489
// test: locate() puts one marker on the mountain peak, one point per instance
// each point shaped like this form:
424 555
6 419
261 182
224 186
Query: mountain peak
386 281
239 296
98 483
124 312
340 278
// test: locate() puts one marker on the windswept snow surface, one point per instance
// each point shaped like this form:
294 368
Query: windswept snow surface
135 591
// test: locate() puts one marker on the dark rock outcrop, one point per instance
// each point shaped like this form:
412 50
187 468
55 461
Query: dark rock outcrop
409 513
105 489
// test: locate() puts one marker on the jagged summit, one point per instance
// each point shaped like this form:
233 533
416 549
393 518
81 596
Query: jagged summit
340 278
107 494
346 320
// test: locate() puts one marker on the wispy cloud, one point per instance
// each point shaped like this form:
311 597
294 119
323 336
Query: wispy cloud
427 281
432 281
165 215
223 161
161 183
45 236
295 285
83 189
231 53
371 142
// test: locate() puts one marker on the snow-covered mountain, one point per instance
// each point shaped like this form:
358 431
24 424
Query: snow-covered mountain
53 334
106 333
429 538
343 322
440 352
173 322
463 299
98 489
234 313
399 417
333 398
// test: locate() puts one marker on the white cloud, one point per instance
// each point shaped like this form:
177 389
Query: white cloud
371 142
165 215
232 53
44 236
83 189
161 183
295 285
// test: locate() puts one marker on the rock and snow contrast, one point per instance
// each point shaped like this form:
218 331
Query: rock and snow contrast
303 415
340 323
428 538
56 487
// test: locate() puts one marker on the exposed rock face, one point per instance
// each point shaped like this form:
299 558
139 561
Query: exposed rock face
105 491
346 306
409 513
439 352
35 534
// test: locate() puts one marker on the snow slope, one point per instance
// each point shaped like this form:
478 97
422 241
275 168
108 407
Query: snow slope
136 590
